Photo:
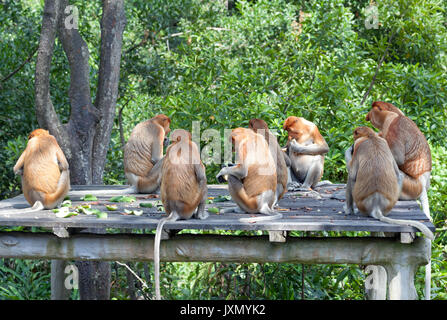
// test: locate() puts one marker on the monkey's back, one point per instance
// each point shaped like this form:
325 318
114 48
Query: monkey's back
277 154
138 149
256 183
376 174
41 170
180 190
417 151
261 175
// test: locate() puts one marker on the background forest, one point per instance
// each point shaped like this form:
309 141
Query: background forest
222 63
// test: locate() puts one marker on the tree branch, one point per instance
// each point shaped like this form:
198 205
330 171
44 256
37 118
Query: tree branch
45 113
112 26
83 115
21 66
365 96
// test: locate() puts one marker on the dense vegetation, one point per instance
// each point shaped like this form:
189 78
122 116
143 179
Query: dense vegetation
201 61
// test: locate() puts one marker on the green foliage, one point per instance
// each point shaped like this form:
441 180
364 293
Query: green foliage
195 60
24 280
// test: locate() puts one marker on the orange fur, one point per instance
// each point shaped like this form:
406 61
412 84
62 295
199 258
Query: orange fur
375 169
143 150
181 190
258 126
253 155
407 143
44 169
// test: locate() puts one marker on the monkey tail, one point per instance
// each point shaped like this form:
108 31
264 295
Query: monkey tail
172 217
270 215
377 213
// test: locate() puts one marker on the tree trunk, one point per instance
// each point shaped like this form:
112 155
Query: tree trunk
86 136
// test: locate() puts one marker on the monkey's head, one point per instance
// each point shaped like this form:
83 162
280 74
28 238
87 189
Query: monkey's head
38 133
179 135
257 124
164 121
379 111
386 106
296 127
363 132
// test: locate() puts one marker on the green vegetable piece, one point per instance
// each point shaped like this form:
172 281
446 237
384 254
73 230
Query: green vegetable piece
102 215
146 205
213 210
111 207
66 203
89 197
122 199
64 212
138 212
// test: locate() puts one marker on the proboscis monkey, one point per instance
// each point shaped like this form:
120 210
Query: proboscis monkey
306 148
252 180
44 171
279 156
409 148
183 188
374 180
143 154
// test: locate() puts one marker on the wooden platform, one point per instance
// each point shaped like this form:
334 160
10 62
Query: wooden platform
302 211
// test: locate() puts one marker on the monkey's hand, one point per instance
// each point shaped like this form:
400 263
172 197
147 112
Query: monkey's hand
297 147
18 172
222 176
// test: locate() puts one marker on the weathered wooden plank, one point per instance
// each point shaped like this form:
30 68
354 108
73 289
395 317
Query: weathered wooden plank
304 213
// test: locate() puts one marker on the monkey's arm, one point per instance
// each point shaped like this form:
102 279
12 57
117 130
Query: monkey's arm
61 160
312 149
286 158
18 168
349 205
400 175
352 167
239 171
157 147
348 156
398 150
199 170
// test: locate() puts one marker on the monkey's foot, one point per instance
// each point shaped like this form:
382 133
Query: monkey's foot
294 186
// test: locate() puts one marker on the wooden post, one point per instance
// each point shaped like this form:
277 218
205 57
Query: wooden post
375 282
58 290
401 281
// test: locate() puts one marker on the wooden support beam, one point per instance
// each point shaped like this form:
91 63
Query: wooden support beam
400 260
138 247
